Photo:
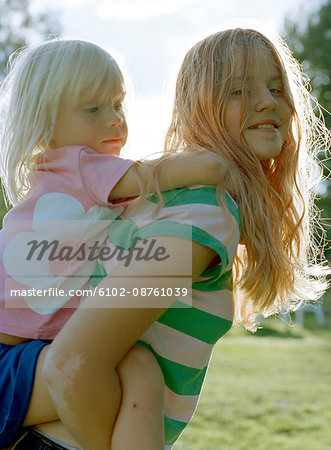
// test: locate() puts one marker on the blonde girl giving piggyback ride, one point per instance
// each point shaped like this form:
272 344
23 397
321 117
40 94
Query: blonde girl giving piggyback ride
245 98
242 97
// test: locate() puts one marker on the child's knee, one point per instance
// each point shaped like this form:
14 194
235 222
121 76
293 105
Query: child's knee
142 384
140 359
140 364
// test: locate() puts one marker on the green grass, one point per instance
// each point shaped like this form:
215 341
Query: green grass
269 390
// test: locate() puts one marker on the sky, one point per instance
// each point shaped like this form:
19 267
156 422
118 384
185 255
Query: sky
149 38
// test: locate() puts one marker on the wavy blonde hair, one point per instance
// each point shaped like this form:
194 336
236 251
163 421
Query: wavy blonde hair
279 263
41 80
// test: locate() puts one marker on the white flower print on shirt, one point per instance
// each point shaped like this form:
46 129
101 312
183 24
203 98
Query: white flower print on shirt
59 228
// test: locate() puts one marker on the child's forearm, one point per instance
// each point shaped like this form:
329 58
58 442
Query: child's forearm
176 170
191 168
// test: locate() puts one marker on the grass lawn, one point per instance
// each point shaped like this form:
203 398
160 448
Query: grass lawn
269 390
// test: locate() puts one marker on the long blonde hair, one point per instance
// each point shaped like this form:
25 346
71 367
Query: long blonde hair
279 263
41 80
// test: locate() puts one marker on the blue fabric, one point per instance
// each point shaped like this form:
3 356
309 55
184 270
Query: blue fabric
17 370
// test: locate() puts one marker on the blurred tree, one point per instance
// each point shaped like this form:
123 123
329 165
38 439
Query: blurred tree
20 26
310 41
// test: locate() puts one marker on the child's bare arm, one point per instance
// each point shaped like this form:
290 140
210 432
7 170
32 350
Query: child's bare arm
177 170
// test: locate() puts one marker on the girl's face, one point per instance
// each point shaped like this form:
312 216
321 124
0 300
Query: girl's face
269 114
95 122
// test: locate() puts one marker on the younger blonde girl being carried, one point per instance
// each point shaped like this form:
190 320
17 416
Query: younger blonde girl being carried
63 127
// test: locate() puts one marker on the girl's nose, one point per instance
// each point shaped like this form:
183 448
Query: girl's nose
265 100
114 118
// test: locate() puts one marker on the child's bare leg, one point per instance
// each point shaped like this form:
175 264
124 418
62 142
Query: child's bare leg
141 409
99 417
139 424
80 367
91 415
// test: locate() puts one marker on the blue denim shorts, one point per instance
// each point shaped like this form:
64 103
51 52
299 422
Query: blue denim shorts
17 371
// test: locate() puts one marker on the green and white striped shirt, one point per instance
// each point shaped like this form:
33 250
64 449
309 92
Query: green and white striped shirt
182 339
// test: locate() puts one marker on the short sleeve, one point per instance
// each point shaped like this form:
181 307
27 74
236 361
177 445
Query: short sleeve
212 225
189 213
100 173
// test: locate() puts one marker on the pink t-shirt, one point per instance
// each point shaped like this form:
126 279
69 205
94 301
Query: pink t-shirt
66 211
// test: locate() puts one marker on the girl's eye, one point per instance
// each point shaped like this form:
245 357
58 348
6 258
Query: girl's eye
93 109
276 91
237 92
118 106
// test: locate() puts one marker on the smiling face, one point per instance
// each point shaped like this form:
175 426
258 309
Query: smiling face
268 118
